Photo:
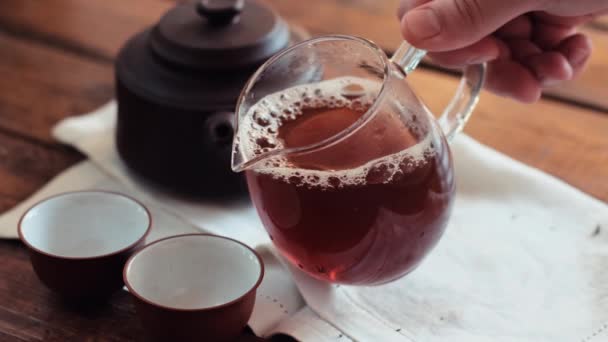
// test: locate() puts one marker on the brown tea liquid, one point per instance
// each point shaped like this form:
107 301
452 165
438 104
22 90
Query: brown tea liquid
365 210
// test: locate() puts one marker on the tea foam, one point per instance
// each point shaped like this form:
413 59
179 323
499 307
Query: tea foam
259 133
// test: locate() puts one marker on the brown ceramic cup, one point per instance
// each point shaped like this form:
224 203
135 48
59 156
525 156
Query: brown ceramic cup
194 287
80 241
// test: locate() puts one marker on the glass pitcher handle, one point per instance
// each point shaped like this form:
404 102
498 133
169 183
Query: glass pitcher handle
457 113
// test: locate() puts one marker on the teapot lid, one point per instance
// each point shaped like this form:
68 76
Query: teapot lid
219 34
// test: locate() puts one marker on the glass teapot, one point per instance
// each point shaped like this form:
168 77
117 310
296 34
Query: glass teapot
350 173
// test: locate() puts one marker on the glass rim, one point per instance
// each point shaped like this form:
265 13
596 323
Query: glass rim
334 139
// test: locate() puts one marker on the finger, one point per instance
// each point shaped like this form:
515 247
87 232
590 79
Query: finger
518 28
549 67
504 49
522 49
483 51
577 50
406 5
444 25
548 36
509 78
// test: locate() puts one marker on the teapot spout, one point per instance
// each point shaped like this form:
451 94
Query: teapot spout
240 162
243 159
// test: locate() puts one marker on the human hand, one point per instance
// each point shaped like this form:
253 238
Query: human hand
527 44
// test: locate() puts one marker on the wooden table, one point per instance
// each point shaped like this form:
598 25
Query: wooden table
56 61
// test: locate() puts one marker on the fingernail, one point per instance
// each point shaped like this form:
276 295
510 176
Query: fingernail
549 82
423 23
578 57
482 59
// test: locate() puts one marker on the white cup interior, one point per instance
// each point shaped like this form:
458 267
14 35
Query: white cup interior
84 224
193 272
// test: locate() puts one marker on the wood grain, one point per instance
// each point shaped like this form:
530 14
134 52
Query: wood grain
40 85
26 166
95 28
55 61
377 21
34 115
114 21
31 312
9 338
563 140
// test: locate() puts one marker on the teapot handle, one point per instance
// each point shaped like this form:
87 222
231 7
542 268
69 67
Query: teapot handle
457 113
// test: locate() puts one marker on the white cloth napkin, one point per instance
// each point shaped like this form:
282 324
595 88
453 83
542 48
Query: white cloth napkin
523 258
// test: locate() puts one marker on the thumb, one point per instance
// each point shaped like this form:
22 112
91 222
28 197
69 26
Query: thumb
443 25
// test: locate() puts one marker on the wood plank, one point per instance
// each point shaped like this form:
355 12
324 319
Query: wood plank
116 20
568 142
26 166
29 311
9 338
97 28
590 88
41 85
374 20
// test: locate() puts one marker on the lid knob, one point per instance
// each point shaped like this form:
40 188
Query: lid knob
220 12
219 35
